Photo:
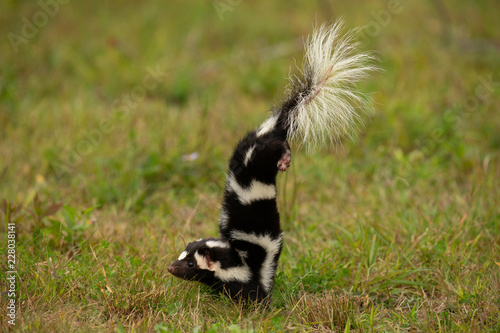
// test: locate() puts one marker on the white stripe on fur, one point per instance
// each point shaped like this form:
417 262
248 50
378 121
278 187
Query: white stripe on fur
248 155
256 191
239 273
217 243
223 218
271 246
201 261
268 125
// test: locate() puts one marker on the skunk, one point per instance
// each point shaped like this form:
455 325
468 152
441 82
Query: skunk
320 105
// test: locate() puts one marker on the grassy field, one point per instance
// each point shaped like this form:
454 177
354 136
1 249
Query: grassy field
102 103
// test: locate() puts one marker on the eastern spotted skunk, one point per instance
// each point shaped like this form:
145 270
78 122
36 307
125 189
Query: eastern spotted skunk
320 105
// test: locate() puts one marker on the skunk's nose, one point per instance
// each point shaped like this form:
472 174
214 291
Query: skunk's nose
171 269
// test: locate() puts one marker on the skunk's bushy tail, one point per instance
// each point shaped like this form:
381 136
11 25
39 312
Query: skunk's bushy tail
321 104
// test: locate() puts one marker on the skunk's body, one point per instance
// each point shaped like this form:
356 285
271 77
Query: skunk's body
320 105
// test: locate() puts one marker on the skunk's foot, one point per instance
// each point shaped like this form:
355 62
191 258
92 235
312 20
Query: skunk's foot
284 162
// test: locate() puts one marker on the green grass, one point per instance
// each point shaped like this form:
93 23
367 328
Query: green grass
397 230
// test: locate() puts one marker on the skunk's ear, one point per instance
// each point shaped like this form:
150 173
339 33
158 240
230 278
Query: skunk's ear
205 251
208 258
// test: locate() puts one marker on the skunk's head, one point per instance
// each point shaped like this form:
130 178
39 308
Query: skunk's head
199 260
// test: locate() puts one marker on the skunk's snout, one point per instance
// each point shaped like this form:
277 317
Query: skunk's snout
177 270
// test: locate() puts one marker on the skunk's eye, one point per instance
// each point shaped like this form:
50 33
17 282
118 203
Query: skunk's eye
190 264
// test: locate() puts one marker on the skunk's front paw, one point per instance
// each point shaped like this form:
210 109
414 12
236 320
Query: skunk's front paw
284 162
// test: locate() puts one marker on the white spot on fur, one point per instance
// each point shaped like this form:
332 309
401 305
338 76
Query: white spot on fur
248 155
183 255
271 246
242 254
256 191
268 125
217 243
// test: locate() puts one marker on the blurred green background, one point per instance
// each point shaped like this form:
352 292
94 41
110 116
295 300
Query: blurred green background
102 103
68 67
